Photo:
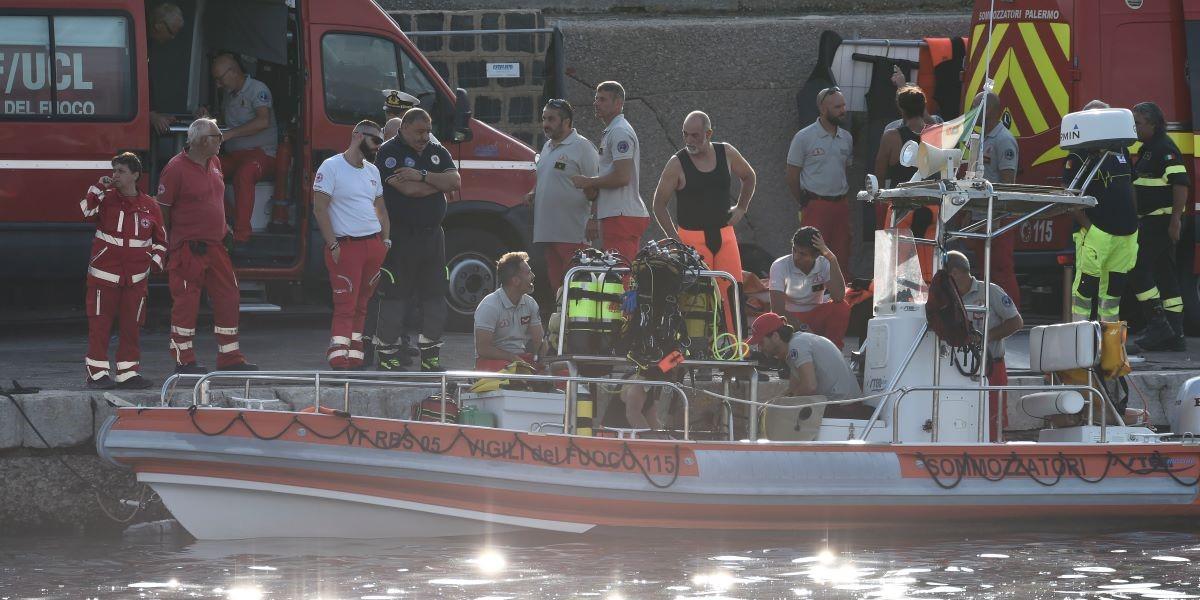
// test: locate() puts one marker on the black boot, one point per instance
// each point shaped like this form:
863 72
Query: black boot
1175 320
1157 335
431 360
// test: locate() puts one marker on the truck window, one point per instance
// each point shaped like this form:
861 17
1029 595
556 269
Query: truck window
357 68
415 82
92 68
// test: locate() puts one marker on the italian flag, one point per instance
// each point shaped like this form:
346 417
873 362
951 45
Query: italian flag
952 133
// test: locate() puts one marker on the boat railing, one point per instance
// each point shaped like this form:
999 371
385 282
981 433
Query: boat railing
440 381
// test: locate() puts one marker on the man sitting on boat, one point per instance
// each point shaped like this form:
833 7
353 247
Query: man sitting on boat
817 367
808 289
507 325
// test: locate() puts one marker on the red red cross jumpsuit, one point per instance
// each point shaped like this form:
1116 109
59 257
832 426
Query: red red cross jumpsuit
198 261
130 241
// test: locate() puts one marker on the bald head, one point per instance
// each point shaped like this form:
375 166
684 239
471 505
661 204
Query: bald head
697 133
994 109
227 72
1095 105
392 127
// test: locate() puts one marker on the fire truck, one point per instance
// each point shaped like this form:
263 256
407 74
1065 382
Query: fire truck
77 89
1050 57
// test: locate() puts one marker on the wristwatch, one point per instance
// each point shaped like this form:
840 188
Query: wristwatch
423 174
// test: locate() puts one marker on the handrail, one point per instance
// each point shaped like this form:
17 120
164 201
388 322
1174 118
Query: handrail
904 391
439 380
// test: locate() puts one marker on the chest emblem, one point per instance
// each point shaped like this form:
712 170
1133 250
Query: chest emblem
525 320
390 162
410 161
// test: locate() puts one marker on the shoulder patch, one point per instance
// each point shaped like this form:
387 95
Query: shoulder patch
320 176
409 161
793 354
263 96
1009 153
162 188
622 146
1169 156
435 159
1004 299
390 162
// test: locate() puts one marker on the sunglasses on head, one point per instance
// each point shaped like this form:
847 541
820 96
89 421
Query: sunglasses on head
825 93
562 105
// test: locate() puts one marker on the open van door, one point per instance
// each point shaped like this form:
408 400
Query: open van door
74 96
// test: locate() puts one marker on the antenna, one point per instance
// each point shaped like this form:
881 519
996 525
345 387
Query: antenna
981 117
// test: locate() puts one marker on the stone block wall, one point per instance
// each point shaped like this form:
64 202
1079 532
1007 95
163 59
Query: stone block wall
509 104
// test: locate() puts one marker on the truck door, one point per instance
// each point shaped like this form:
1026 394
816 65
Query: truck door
74 96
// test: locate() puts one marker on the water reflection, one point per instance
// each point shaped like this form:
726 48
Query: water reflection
1060 566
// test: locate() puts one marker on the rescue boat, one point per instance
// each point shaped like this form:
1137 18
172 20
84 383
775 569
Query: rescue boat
922 458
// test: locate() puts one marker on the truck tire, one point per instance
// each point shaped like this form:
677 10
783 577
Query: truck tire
471 271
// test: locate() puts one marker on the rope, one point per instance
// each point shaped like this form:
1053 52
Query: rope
408 441
1061 466
96 490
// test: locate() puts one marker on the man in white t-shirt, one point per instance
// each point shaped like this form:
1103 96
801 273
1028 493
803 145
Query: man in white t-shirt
619 210
808 289
348 205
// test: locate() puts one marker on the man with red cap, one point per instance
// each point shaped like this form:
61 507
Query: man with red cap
816 366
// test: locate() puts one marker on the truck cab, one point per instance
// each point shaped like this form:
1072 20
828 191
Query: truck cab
1051 57
81 79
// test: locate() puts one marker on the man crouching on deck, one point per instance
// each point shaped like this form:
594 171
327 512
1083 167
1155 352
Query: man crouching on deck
507 325
816 365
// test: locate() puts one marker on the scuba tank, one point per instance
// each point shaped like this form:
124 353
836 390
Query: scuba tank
593 304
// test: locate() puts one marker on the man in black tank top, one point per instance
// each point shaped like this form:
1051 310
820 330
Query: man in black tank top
700 177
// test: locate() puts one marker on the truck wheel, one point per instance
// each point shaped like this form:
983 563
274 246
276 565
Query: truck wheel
471 269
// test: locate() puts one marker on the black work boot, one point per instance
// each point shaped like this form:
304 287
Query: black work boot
431 360
1175 320
1158 335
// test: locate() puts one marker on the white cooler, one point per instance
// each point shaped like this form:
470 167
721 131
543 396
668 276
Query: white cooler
520 410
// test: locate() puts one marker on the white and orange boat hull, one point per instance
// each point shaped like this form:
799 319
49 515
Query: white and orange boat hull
234 474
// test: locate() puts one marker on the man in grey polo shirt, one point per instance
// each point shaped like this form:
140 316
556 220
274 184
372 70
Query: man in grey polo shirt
1000 165
249 144
560 210
1003 320
507 325
817 162
619 209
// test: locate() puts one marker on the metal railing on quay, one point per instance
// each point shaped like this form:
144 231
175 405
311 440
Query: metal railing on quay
440 381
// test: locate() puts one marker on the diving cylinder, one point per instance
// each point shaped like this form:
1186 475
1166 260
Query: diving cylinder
581 314
608 312
698 307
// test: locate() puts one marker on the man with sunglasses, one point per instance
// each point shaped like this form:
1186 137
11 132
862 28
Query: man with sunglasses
560 210
417 174
251 139
348 205
191 193
817 162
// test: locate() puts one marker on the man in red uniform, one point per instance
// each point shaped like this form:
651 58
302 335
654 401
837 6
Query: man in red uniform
191 192
348 204
130 241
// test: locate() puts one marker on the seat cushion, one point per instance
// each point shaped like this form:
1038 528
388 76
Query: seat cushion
1065 346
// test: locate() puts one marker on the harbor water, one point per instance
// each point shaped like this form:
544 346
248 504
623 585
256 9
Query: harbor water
1061 565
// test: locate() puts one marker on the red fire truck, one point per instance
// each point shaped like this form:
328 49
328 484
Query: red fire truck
1050 57
77 89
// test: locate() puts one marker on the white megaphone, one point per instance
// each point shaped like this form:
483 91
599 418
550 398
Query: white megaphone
929 159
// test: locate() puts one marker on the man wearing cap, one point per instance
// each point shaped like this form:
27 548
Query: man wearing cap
816 365
817 162
396 103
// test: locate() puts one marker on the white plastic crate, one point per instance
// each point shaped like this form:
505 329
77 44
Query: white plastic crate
520 410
